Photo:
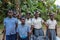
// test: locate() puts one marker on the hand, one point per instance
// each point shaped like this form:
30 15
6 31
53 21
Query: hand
49 34
56 34
3 39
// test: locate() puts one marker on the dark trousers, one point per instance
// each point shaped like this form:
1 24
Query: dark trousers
11 37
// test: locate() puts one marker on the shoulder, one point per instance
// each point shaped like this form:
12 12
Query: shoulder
33 19
27 25
15 19
40 18
5 18
55 21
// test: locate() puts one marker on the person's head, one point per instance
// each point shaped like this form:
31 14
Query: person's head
10 13
23 20
51 16
36 14
14 14
28 15
18 15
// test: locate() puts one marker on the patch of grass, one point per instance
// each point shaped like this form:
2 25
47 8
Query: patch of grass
1 26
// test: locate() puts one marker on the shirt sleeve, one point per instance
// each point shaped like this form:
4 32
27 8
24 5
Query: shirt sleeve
56 22
32 22
47 22
42 20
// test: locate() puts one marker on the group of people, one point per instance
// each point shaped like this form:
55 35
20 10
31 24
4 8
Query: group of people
23 27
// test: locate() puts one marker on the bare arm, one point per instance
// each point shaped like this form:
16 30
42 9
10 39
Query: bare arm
4 31
29 34
32 27
56 29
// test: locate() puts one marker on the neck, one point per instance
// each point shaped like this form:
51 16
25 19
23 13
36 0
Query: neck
36 17
27 18
52 19
10 16
23 23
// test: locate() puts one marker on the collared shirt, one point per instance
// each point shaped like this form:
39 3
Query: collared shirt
29 21
37 22
51 24
10 25
23 30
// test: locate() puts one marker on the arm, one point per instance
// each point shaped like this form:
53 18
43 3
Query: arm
56 29
16 24
4 33
32 27
29 35
18 36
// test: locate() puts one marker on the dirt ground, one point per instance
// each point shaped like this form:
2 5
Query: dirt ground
58 30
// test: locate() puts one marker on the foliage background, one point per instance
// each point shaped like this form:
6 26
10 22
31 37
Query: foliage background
43 6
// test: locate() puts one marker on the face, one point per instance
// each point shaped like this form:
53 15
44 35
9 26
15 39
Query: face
23 21
18 16
37 15
51 16
10 13
14 14
28 15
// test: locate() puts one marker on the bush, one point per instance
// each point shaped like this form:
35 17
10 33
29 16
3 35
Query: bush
57 17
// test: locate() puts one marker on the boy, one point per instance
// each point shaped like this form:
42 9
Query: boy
23 30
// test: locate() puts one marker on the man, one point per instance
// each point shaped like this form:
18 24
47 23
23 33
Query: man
51 27
29 22
23 30
37 22
10 25
14 14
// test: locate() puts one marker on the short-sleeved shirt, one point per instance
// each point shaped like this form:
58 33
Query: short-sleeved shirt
37 22
19 22
23 30
10 25
29 21
51 24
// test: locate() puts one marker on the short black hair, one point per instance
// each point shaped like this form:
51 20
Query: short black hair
8 11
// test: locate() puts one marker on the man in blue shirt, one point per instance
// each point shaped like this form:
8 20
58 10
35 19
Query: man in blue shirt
10 26
23 30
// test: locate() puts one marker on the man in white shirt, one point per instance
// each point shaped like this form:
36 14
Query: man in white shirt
51 27
37 22
28 19
29 22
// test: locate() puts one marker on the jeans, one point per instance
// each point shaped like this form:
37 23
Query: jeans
51 34
11 37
